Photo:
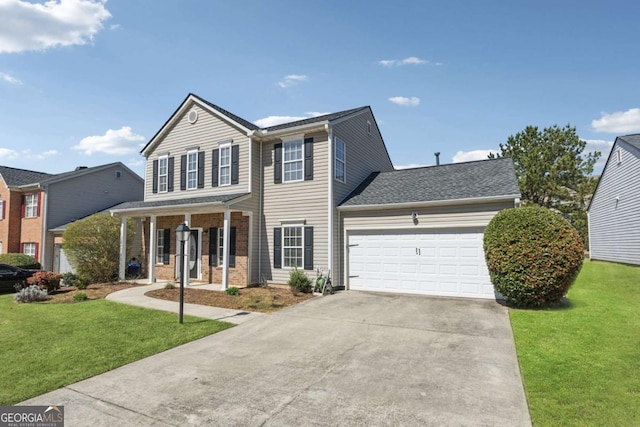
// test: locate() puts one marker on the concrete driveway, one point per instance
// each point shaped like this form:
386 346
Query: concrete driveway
353 358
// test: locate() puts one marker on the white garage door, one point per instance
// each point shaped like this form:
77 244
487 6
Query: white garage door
448 262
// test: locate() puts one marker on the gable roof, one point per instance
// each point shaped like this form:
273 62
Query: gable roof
483 179
633 140
14 177
325 117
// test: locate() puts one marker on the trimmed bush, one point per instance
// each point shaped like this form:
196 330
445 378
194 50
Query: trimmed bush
45 280
20 260
80 296
232 291
31 294
71 279
169 286
299 281
533 255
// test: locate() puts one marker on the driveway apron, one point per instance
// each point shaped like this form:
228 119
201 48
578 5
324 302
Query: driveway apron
350 359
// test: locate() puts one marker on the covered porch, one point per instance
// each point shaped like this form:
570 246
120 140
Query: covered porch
218 247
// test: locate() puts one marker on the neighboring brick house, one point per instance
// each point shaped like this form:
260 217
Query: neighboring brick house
315 193
33 205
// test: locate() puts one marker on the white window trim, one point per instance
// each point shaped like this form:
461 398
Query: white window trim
344 162
286 141
220 166
166 174
159 249
32 245
619 155
1 208
195 186
368 127
220 246
33 206
301 227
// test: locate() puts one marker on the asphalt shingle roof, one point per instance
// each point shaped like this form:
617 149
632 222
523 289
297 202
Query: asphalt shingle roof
484 178
16 177
232 116
632 139
327 117
167 203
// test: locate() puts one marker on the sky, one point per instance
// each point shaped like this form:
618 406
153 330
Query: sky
89 82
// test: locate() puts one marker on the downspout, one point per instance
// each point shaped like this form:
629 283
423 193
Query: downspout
44 207
589 233
260 216
330 209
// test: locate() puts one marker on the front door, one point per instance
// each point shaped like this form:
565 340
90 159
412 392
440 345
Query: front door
193 254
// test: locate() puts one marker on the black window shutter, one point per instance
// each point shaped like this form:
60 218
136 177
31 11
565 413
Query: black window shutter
277 247
200 169
308 248
183 172
213 247
154 184
170 174
167 246
235 163
308 159
232 247
277 163
214 169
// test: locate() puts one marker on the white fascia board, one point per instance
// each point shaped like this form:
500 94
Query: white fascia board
283 133
469 201
171 209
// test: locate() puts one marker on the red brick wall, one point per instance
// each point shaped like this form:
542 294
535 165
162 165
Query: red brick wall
14 229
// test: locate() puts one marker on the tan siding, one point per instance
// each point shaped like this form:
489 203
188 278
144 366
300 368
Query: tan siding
614 231
298 200
436 217
364 154
206 134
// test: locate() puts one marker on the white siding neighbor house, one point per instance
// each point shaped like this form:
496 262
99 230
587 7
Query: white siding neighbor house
319 193
614 211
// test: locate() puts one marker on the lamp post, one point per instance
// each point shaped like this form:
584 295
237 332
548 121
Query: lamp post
182 235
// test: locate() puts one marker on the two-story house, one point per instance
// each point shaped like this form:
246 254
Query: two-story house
35 205
310 194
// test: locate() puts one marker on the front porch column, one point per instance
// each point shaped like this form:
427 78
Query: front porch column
184 257
225 249
123 248
153 248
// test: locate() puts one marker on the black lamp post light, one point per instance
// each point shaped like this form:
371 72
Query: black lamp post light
182 235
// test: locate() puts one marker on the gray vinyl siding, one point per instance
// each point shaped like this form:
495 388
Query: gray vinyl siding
78 197
364 154
476 215
206 134
614 232
304 200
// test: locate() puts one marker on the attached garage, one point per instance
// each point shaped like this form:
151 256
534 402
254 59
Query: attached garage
420 231
447 262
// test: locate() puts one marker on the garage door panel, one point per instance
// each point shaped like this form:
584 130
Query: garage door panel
446 262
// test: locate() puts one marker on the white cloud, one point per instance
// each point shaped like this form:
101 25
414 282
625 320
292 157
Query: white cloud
121 141
278 120
8 153
43 155
26 26
410 166
414 101
618 122
114 27
292 80
469 156
601 145
411 60
9 79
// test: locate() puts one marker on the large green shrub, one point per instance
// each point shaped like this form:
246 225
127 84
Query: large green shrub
20 260
533 255
299 281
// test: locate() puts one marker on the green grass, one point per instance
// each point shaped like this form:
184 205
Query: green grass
47 346
581 364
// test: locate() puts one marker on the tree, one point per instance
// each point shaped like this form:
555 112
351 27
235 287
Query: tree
92 245
552 170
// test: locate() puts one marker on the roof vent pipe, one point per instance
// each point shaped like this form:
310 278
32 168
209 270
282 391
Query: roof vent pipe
79 168
437 158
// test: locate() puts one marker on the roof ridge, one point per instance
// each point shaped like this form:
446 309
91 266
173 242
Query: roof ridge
447 164
334 115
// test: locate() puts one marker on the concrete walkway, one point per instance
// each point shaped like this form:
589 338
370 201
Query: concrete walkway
136 296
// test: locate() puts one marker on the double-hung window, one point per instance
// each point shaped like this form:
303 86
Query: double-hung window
160 246
163 170
29 249
225 164
220 245
292 247
293 161
341 161
31 206
192 170
1 209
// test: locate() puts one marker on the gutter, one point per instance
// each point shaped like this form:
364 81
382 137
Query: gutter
266 134
468 201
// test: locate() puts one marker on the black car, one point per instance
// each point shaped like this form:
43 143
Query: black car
11 276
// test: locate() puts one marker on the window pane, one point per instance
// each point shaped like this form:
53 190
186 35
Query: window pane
339 170
225 158
160 246
225 175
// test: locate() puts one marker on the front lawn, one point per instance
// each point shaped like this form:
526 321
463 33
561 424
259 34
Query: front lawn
47 346
581 364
